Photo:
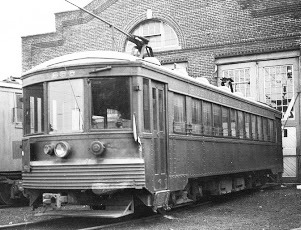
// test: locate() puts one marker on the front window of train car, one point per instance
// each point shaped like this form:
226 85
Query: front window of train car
33 109
111 103
65 103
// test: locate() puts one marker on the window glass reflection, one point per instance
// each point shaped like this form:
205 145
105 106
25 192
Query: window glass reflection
111 103
65 101
33 109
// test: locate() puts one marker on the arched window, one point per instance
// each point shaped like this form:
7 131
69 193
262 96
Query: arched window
161 36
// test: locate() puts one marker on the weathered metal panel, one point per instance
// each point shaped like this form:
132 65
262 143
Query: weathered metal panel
118 145
193 157
148 155
9 131
177 164
16 149
120 166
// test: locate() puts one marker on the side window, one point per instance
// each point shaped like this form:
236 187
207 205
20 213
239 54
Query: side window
154 104
34 109
207 118
146 105
225 121
179 123
217 120
240 124
265 130
18 110
233 122
196 113
161 109
259 128
253 128
271 130
247 125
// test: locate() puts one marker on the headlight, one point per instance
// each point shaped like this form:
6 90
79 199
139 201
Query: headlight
48 149
97 148
62 149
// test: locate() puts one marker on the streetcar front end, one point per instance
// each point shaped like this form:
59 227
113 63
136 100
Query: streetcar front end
79 145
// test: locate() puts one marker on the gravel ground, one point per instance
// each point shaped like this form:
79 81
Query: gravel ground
15 215
277 208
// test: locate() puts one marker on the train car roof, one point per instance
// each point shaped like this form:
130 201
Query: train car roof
84 58
10 85
98 57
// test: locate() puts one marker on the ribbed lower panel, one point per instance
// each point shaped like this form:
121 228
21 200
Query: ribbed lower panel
100 176
11 175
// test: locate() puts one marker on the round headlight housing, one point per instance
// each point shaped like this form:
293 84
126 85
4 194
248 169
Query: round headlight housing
62 149
97 148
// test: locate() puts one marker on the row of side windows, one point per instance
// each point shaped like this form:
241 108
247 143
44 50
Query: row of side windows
216 120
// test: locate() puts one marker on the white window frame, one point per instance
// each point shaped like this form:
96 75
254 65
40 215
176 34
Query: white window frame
139 31
15 118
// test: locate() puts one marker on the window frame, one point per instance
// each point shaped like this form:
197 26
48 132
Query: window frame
139 30
27 126
247 118
61 128
207 123
146 98
182 123
227 109
89 97
254 135
245 129
233 120
17 101
270 72
259 123
217 120
240 124
196 127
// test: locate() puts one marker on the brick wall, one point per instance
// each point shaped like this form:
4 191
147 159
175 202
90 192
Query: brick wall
207 29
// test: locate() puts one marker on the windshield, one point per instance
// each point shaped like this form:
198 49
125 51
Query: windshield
111 103
65 102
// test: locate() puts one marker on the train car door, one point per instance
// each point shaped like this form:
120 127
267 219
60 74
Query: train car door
159 135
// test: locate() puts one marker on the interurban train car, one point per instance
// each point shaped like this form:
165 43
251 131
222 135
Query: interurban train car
11 136
109 131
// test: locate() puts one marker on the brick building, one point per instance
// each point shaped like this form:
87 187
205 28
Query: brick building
254 42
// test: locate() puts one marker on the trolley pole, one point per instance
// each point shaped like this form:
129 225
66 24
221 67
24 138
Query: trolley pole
140 42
